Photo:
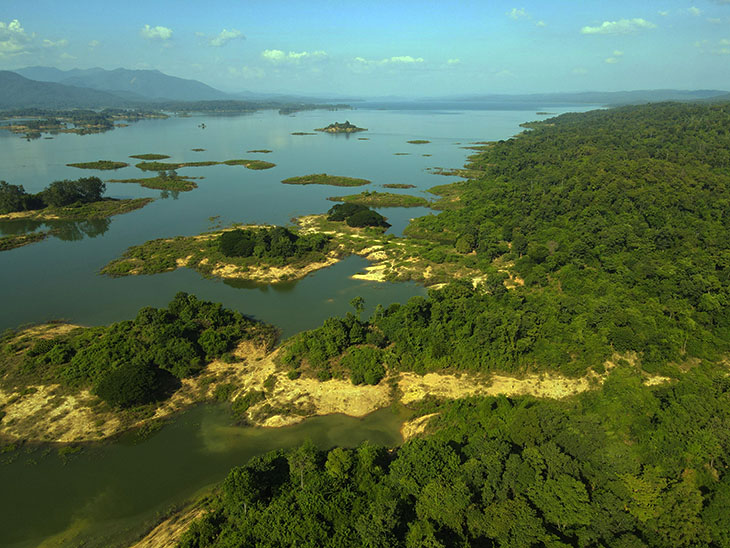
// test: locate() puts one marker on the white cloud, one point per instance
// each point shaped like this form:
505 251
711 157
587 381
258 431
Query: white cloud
395 60
67 56
541 24
156 33
663 13
58 44
13 39
453 62
617 54
515 13
226 36
695 11
94 44
622 26
580 71
278 56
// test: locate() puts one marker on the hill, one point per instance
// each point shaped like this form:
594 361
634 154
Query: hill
17 91
131 84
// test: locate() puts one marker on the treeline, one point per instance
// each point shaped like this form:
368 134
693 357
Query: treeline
356 215
58 194
139 361
619 218
270 243
624 466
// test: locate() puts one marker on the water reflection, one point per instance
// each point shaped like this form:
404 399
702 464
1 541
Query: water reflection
68 231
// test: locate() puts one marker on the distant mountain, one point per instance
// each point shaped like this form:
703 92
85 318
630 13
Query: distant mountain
134 85
597 97
17 91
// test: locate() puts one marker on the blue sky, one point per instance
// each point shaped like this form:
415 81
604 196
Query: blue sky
409 48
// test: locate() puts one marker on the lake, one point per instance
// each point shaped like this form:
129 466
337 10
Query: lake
109 491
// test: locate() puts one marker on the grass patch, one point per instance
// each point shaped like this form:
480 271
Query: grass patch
382 199
418 142
259 151
99 164
325 179
11 242
179 184
81 212
150 156
398 185
168 166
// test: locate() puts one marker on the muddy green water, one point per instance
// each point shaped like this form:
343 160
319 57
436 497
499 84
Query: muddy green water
109 492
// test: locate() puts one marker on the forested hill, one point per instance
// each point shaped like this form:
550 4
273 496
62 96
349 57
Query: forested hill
618 223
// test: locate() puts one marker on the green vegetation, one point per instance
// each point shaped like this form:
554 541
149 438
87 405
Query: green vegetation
11 242
248 252
198 149
165 180
382 199
134 362
66 200
303 133
398 185
100 164
338 127
627 465
166 166
260 151
269 243
150 156
356 215
418 142
324 179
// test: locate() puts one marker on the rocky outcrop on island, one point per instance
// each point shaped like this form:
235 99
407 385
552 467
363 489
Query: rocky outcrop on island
337 127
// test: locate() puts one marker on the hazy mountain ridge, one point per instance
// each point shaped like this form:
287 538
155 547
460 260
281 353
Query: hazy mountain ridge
16 91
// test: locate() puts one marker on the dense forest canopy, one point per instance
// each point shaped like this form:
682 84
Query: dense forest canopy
137 361
615 226
58 194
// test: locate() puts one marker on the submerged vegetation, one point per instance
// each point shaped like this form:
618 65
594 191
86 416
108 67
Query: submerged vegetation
325 179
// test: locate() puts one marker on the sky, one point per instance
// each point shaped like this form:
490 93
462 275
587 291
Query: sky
381 48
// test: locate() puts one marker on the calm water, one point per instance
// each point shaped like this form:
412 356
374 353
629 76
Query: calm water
107 491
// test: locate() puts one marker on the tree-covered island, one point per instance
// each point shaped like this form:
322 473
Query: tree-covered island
67 200
338 127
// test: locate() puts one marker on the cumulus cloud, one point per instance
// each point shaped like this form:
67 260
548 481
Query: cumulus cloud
94 44
67 56
516 13
580 71
13 39
156 33
395 60
541 24
695 11
453 62
278 56
226 36
622 26
58 44
615 58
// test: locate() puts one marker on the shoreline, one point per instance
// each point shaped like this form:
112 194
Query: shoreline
49 414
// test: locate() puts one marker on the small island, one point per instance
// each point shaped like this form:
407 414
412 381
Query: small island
381 199
99 164
398 185
150 156
79 200
165 180
418 142
325 179
264 254
163 166
337 127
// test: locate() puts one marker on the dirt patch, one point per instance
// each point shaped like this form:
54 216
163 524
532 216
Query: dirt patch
271 274
416 427
168 532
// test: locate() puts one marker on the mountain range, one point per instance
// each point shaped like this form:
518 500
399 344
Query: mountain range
48 87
